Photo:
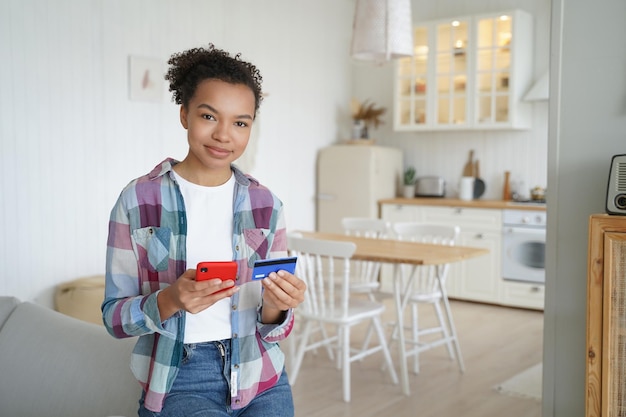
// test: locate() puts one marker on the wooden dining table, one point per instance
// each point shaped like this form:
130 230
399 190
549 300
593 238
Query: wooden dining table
398 252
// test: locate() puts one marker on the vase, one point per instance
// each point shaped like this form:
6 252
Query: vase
357 129
409 191
365 133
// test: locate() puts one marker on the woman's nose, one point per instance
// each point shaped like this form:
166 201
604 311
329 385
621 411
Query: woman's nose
221 132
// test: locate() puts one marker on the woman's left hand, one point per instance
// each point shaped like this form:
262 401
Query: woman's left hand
282 292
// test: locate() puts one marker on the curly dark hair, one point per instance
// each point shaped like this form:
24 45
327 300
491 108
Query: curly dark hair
189 68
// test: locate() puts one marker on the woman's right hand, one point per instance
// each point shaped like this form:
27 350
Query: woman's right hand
192 296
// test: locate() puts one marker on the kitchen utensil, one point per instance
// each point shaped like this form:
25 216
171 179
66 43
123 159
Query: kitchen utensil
506 191
468 170
479 184
466 188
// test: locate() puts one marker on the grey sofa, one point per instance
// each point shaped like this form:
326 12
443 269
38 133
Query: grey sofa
54 365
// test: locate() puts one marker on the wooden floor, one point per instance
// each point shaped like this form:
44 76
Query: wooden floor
497 343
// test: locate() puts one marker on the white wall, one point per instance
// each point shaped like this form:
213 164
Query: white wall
587 127
70 138
523 153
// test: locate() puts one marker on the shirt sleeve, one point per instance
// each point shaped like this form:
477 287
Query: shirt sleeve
125 311
279 331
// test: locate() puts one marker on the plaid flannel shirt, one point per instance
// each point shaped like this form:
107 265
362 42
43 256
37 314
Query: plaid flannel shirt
146 252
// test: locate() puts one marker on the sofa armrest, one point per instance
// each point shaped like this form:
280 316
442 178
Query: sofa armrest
56 365
7 305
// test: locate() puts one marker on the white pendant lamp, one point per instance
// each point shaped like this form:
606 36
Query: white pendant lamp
382 30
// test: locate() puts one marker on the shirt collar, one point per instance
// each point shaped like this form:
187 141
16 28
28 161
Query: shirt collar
167 165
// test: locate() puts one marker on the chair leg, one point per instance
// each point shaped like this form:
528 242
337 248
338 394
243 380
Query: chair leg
300 352
368 338
340 340
345 353
329 349
444 329
415 334
453 335
377 324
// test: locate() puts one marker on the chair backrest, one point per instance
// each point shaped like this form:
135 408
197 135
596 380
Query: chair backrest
439 234
365 273
324 266
365 227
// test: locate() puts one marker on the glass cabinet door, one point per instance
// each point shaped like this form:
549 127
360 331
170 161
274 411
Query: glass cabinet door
451 68
412 82
466 73
493 69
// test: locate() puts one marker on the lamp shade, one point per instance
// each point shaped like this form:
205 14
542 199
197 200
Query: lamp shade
382 30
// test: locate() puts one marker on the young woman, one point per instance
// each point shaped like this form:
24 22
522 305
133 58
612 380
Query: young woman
205 348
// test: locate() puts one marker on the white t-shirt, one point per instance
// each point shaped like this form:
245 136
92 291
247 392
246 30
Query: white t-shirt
209 238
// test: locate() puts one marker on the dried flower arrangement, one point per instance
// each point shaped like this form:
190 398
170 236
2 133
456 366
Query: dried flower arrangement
368 112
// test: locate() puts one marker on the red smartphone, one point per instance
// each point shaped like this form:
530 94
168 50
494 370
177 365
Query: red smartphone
224 270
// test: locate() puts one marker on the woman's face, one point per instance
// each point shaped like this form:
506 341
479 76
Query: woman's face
218 120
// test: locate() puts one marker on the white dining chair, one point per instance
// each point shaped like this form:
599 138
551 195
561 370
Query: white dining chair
428 286
364 274
325 268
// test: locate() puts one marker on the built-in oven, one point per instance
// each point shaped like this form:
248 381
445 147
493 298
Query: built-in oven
524 245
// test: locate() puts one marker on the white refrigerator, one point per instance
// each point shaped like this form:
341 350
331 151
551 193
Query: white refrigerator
351 179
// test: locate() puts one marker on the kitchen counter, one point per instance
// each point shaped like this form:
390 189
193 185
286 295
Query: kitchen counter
455 202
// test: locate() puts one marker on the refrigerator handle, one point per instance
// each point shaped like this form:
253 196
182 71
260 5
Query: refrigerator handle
324 196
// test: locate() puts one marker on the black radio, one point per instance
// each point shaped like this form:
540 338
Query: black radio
616 189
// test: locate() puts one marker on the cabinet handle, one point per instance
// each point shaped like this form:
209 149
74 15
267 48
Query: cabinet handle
535 289
458 210
479 236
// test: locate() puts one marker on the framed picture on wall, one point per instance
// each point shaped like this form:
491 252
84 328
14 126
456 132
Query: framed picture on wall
145 78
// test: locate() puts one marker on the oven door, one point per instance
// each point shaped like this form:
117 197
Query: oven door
523 254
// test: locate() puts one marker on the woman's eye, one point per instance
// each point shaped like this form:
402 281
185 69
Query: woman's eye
208 117
241 124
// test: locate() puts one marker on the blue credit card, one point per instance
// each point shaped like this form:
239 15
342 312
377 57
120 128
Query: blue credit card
265 267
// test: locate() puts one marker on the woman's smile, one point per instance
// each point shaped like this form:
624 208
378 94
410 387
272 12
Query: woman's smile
217 152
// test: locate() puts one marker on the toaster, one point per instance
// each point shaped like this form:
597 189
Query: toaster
430 187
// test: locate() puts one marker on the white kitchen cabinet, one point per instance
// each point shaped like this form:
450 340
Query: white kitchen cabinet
401 213
466 73
522 294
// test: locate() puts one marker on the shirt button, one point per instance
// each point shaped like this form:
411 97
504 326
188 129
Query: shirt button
237 247
236 366
234 335
237 401
234 307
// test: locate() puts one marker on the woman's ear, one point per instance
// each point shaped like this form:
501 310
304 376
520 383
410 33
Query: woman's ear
183 116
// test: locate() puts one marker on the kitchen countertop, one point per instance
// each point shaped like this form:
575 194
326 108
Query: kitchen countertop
455 202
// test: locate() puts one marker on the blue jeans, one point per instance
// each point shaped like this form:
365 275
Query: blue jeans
202 389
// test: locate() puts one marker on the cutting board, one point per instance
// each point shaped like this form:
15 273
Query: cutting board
468 169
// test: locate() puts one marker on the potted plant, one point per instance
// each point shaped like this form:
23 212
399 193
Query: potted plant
409 182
